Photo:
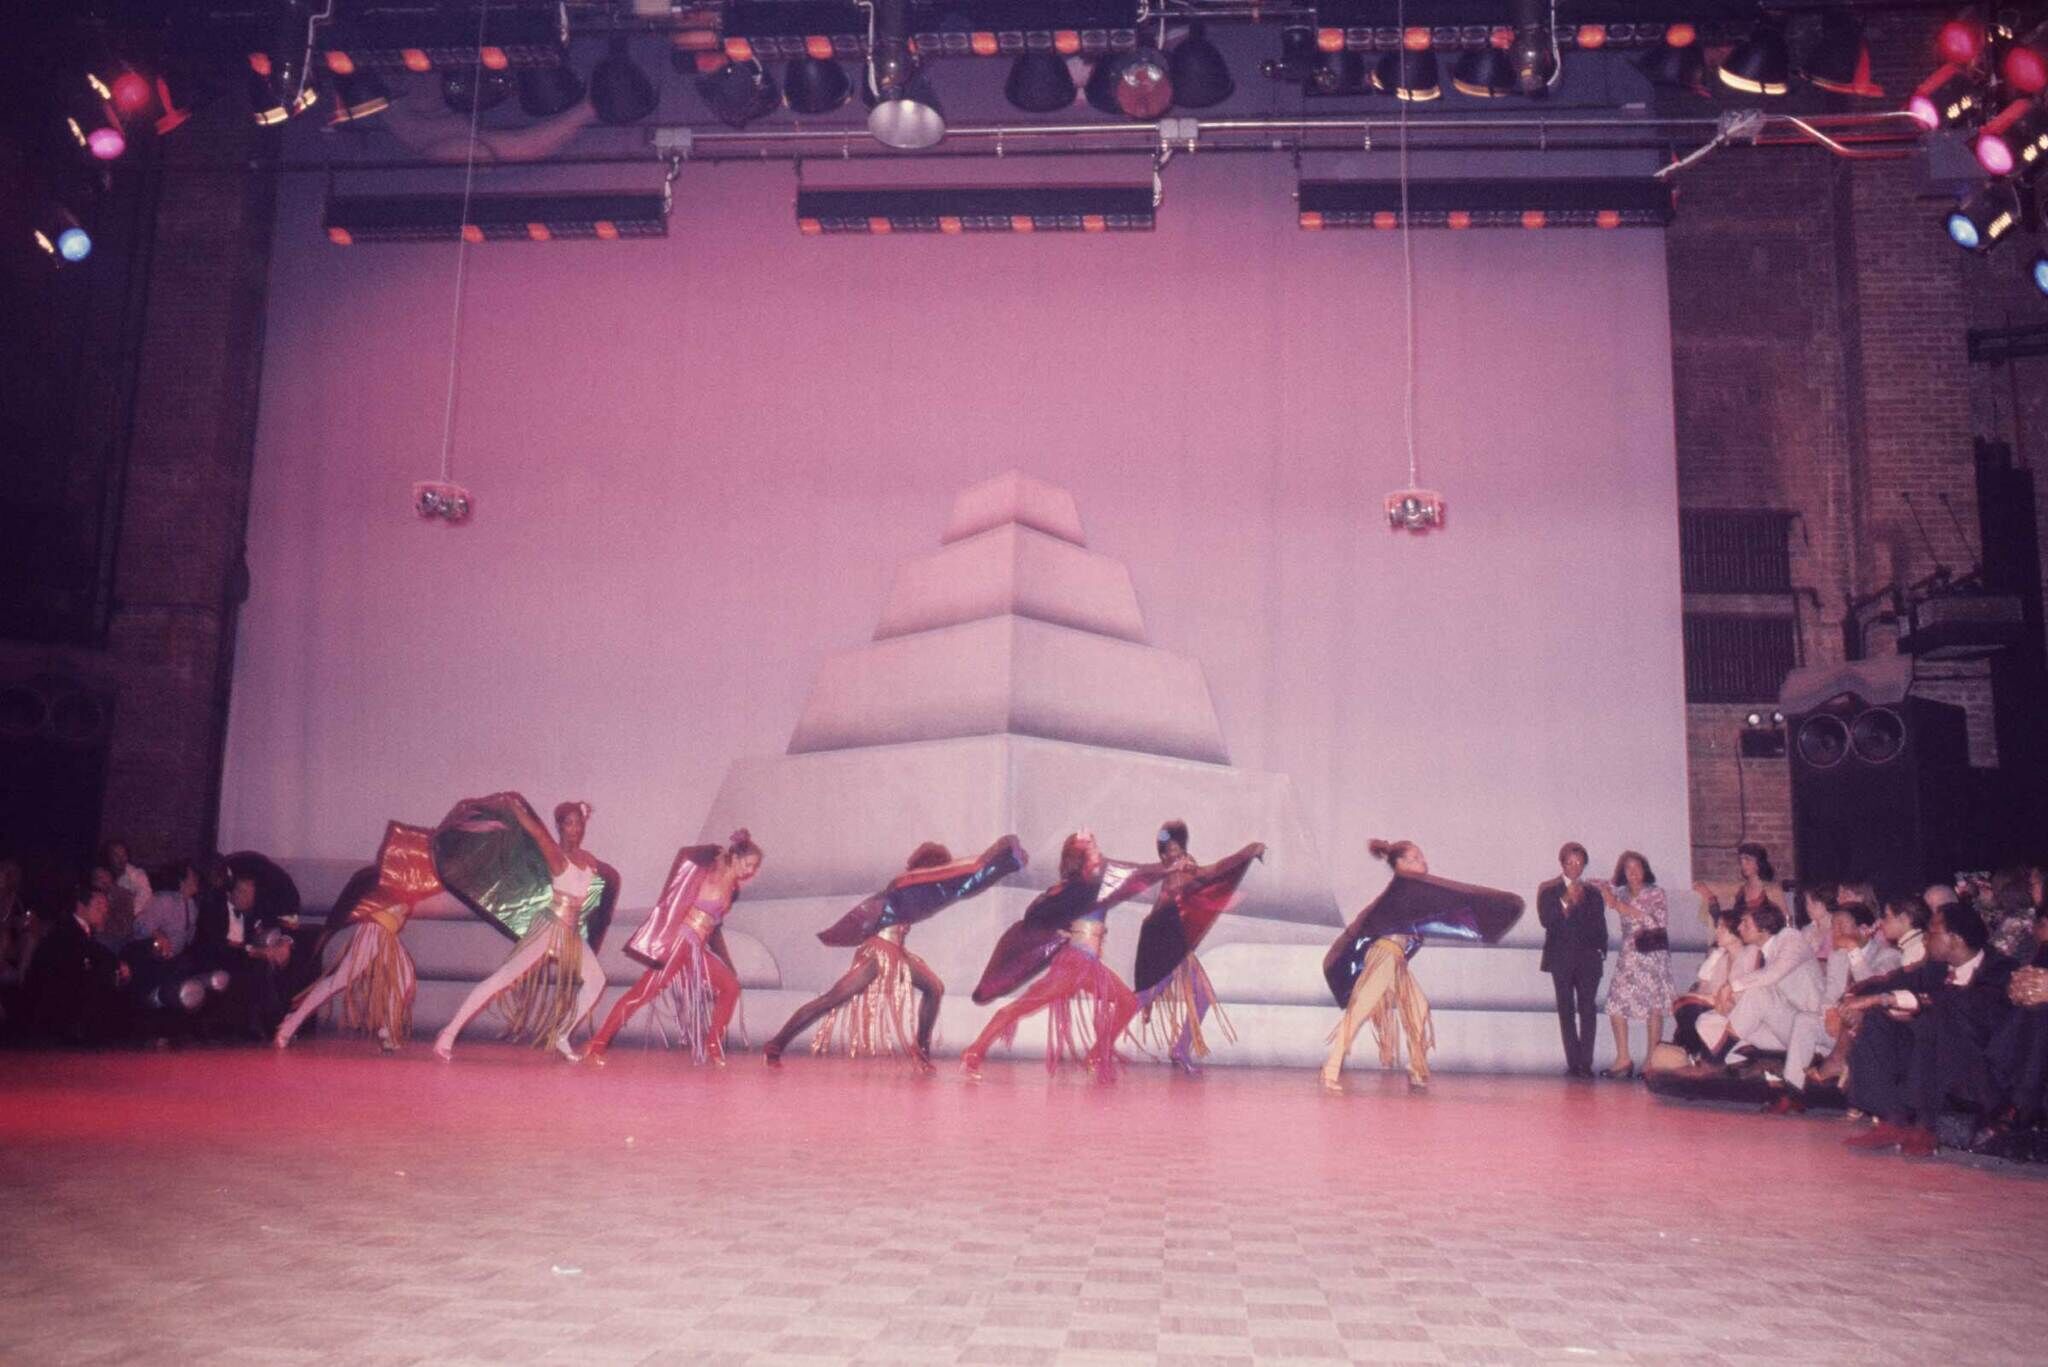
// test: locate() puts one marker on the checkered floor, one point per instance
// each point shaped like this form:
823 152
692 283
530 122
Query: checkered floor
331 1205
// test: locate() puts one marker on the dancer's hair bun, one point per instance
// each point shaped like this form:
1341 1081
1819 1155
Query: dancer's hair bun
1379 849
742 836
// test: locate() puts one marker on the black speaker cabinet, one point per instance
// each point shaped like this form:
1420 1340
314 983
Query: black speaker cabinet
1880 791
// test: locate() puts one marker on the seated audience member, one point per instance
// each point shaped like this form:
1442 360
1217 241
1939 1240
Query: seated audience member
1859 952
127 877
1762 1004
2008 904
167 972
2019 1062
19 933
1929 1048
119 923
170 918
1753 863
1699 1026
75 982
1901 931
1812 913
232 938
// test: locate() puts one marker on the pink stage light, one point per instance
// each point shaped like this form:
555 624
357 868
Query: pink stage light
2026 70
106 143
132 94
1960 41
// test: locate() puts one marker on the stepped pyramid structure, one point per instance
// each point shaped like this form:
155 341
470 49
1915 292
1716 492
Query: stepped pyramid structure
1009 686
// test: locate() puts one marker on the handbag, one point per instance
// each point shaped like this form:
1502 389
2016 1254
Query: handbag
1652 941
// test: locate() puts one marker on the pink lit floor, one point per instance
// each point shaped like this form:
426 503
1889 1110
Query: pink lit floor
332 1205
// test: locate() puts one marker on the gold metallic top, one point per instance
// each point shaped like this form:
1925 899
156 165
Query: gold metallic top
1087 936
567 906
701 921
893 934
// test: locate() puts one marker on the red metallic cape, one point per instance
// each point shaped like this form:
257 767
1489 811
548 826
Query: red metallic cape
1190 901
1023 951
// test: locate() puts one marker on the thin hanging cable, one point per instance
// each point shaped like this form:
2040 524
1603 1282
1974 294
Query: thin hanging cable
1407 246
476 108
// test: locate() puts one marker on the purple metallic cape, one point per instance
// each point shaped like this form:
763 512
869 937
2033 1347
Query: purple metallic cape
1023 951
1189 904
922 893
662 934
1413 906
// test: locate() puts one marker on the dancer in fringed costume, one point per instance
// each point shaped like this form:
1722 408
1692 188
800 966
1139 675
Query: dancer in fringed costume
683 943
1061 937
1367 966
1174 993
374 975
547 893
867 1012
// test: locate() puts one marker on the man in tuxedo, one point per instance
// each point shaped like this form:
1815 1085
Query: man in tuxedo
1929 1048
75 982
254 952
1574 949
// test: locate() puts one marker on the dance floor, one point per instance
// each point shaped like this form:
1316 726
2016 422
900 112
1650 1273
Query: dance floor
331 1205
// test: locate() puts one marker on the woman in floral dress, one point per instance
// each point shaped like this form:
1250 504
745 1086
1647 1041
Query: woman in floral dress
1641 986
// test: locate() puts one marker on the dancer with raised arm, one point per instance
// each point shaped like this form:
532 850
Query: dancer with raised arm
1173 990
1367 967
867 1012
548 893
374 970
683 944
1061 937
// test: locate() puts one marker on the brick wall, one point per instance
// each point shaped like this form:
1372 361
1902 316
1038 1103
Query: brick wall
1818 322
170 638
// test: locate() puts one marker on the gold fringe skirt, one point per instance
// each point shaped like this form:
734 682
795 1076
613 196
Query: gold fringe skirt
882 1020
1173 1009
381 984
540 1005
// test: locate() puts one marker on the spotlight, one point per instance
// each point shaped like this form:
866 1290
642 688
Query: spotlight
545 91
283 87
1039 83
2025 69
2038 272
1136 84
902 110
92 122
908 119
359 95
433 499
1986 218
1533 50
1339 73
1484 73
2015 141
1946 98
1408 75
474 89
1840 60
739 93
620 91
61 238
270 104
1960 41
1200 77
812 86
1298 58
1760 64
132 94
1676 63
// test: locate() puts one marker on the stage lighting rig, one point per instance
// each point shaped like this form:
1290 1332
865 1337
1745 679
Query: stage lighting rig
438 500
1988 216
2037 271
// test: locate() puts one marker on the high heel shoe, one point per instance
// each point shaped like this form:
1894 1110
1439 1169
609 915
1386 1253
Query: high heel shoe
1618 1073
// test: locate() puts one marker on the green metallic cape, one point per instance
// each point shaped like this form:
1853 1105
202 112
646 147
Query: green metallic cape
486 858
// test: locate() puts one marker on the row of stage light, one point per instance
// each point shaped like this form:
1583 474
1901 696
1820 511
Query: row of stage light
1991 88
1452 205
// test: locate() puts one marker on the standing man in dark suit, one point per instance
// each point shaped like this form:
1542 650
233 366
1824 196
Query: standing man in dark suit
1574 950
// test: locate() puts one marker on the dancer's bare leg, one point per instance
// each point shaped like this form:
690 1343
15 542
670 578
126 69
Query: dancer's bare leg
480 996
